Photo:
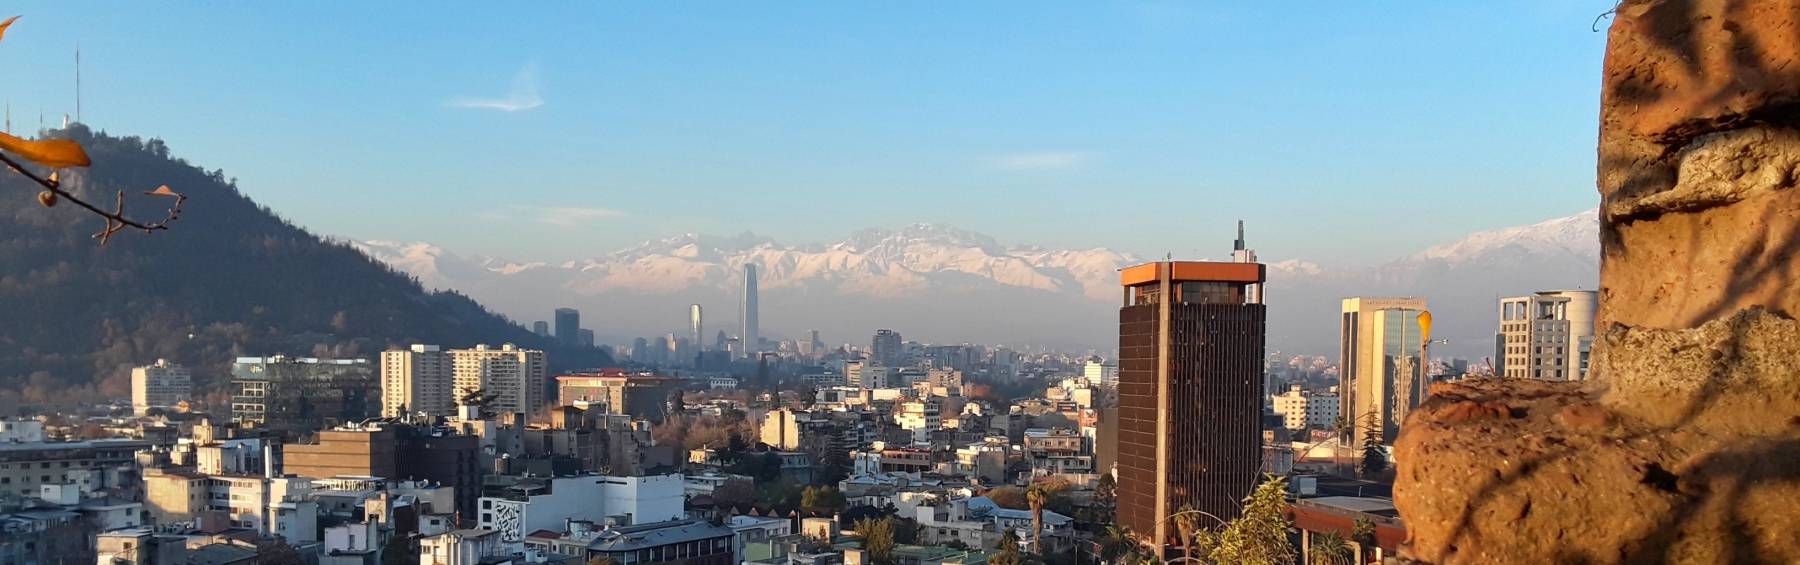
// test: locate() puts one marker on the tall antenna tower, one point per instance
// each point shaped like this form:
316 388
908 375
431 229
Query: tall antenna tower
78 82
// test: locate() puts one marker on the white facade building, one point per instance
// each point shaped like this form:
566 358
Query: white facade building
162 385
514 377
416 379
1100 373
1301 410
595 498
921 418
1547 335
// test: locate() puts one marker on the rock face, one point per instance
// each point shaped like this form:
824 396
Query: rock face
1685 445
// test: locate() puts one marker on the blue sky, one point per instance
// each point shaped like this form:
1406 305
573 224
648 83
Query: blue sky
1342 132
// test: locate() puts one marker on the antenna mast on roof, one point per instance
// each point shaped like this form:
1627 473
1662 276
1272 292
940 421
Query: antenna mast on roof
78 82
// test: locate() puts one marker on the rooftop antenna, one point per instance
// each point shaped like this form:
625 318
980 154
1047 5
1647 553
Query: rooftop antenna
77 81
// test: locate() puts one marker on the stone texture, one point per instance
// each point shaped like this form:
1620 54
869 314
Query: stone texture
1694 459
1685 445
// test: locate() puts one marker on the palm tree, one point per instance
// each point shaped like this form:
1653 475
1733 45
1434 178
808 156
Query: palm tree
1009 551
1036 496
1116 544
1330 548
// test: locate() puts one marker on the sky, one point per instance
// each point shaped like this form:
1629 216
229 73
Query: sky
1343 133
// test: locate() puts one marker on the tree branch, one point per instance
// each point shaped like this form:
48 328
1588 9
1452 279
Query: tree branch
115 220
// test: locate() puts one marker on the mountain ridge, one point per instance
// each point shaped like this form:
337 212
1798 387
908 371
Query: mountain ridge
916 262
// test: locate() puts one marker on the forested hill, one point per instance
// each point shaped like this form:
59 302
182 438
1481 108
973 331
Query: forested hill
230 278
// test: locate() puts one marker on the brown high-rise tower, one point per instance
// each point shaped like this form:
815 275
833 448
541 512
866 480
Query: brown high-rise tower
1190 392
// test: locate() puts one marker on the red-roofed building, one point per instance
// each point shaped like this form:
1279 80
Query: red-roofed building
1338 514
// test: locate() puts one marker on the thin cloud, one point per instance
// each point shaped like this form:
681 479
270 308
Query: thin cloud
523 96
564 216
1044 161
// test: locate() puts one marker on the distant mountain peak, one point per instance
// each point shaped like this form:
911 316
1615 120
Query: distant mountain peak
1577 234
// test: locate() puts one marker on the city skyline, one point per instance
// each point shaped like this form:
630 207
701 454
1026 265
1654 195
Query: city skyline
765 130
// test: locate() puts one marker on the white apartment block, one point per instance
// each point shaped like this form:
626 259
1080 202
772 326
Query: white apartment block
514 377
1302 410
921 418
162 385
416 379
1547 335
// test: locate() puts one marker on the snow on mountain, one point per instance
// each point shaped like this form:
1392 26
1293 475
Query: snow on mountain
950 284
1576 235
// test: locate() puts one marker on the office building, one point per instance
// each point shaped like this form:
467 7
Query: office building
568 326
162 385
885 350
417 380
510 379
297 395
394 452
584 337
541 328
1098 372
614 392
1190 392
1302 410
1381 370
695 327
1547 335
749 338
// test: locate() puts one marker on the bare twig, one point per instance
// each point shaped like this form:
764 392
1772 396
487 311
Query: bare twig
115 220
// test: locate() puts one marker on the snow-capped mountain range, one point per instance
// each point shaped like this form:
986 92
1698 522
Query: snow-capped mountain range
946 285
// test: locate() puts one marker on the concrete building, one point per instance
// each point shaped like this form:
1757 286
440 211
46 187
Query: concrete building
269 504
541 328
614 392
1546 336
474 546
1100 373
1381 374
885 349
417 380
512 379
21 431
568 326
547 503
162 385
676 542
1302 410
696 327
394 452
92 465
920 418
297 395
1191 349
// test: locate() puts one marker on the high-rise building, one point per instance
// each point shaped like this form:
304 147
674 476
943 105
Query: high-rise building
720 343
1381 375
415 380
162 385
1099 372
541 328
568 326
1242 254
1190 392
294 396
510 380
750 338
695 336
584 337
1546 335
885 350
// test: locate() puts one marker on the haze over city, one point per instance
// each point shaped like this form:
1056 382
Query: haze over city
932 283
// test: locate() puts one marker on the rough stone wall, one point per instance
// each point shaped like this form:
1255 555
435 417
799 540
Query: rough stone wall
1685 446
